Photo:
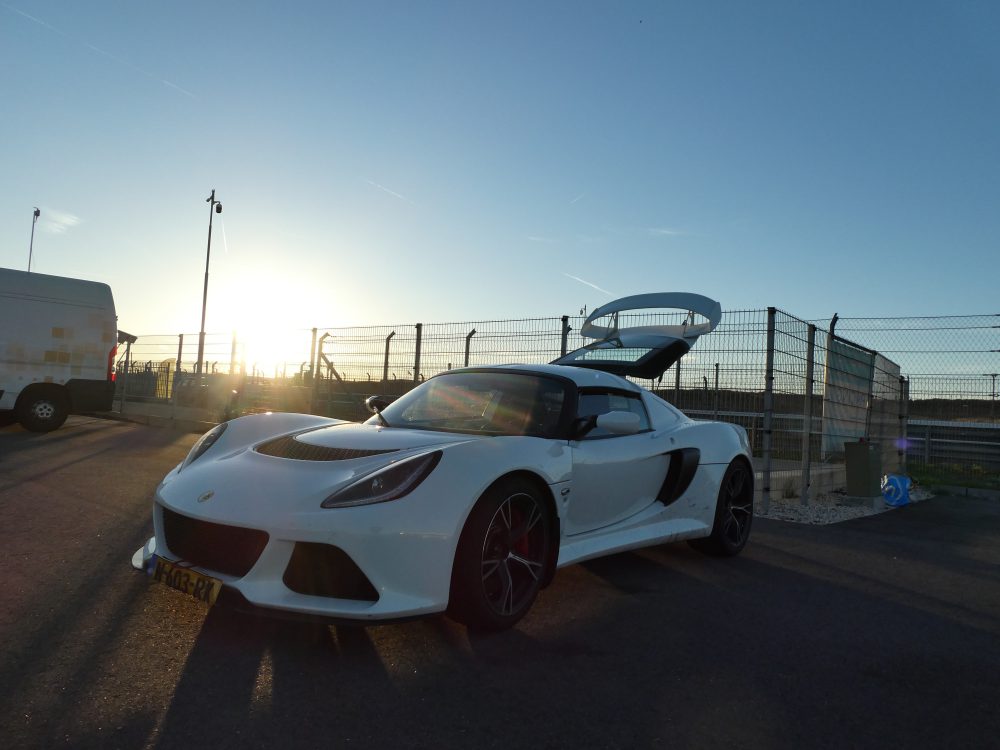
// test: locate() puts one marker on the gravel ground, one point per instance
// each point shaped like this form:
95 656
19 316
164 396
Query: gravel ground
832 507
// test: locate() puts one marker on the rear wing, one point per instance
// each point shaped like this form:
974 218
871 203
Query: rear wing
643 351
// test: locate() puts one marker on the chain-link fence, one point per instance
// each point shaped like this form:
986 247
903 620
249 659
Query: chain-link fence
952 364
931 345
801 392
800 396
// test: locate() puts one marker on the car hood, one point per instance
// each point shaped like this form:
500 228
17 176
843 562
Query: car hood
280 482
350 436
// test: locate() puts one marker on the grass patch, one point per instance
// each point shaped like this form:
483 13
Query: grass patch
974 476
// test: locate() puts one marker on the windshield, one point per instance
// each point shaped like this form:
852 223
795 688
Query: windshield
491 403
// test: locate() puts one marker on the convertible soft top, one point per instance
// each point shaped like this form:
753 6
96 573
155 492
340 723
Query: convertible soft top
642 351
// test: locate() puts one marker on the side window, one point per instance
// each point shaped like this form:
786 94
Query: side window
594 403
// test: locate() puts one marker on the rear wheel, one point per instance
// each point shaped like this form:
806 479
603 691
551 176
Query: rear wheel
502 557
733 513
42 410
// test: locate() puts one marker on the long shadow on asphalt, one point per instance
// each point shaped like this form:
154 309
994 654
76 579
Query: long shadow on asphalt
16 439
661 646
749 652
67 608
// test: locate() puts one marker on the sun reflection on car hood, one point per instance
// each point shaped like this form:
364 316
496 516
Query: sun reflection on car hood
377 438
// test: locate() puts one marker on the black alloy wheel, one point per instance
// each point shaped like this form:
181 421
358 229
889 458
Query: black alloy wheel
513 554
737 499
502 557
733 513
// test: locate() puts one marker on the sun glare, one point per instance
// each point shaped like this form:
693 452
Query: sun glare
265 315
271 312
274 353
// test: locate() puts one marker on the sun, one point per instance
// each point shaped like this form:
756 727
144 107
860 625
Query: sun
261 312
274 352
272 309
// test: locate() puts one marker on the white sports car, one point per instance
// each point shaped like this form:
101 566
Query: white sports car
464 495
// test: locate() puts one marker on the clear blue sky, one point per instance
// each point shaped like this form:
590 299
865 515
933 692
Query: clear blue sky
402 162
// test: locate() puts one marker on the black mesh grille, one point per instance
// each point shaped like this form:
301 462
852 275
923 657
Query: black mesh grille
325 570
289 447
228 549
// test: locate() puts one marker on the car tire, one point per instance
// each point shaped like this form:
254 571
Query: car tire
502 558
733 513
42 410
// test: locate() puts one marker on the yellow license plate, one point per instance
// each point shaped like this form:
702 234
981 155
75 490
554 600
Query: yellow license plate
187 581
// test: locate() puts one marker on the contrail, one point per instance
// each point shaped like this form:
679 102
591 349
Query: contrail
225 242
594 286
175 87
36 20
101 52
393 193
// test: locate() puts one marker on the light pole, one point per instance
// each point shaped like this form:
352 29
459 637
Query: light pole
31 245
214 206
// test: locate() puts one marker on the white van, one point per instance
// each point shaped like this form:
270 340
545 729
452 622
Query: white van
58 339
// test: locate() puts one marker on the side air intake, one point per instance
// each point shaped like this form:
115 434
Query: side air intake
683 465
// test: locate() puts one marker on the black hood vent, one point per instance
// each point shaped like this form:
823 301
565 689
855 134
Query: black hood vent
289 447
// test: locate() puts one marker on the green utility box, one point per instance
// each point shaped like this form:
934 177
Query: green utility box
864 469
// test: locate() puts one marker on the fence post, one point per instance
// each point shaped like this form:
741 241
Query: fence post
904 406
715 403
677 384
385 362
993 396
312 355
416 358
317 376
565 335
807 416
871 399
468 342
177 367
128 366
768 413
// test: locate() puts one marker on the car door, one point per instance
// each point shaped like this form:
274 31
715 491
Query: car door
614 476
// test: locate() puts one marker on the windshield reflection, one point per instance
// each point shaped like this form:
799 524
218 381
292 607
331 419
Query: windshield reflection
487 403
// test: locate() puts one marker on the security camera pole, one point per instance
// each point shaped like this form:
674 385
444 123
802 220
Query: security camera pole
214 207
31 245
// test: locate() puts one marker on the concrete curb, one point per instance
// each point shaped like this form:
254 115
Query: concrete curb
986 494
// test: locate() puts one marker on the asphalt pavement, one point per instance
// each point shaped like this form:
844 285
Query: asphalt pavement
880 632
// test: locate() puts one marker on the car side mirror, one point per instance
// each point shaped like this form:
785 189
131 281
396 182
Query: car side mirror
376 404
620 422
583 425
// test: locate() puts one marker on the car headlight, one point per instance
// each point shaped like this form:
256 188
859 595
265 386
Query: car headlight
388 483
205 442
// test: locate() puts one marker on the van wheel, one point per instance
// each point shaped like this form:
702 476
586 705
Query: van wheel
42 411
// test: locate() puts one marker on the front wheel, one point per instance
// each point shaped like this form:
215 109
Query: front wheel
43 412
733 513
502 557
